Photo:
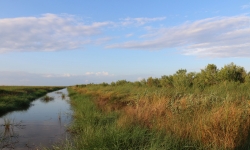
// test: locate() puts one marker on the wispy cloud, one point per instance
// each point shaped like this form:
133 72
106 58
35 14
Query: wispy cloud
212 37
139 21
103 73
245 6
51 32
48 32
129 35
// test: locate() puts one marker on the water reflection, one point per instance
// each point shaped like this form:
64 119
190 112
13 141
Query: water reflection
9 137
44 123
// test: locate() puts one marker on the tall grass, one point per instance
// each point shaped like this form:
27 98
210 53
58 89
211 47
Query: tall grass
93 128
214 118
8 137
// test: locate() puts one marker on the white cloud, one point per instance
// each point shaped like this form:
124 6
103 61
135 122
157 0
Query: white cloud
103 73
48 32
139 78
245 6
47 75
89 73
212 37
51 32
139 21
67 75
129 35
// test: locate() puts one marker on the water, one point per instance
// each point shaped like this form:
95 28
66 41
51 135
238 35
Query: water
43 124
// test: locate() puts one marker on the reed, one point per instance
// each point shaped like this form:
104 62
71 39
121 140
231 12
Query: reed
7 124
63 96
218 114
205 110
8 138
47 98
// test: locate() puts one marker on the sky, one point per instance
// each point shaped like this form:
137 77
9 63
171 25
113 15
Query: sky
64 42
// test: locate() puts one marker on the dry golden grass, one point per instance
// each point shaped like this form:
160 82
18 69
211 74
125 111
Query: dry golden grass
223 124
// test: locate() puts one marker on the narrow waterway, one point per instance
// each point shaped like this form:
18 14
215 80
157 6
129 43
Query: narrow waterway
42 125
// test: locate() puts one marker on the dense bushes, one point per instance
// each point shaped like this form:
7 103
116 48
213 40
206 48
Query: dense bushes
183 80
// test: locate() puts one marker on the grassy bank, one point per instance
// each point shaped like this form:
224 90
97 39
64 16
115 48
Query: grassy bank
215 118
19 97
205 110
94 128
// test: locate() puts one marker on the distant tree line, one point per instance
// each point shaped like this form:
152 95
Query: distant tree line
183 80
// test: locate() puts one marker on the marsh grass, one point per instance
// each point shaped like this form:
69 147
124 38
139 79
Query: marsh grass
59 115
63 96
47 98
214 118
20 97
93 128
8 138
7 124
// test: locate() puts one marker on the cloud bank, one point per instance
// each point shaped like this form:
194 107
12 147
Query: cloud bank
49 32
212 37
139 21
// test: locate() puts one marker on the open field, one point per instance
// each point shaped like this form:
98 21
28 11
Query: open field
19 97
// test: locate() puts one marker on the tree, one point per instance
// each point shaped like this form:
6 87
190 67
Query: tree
209 75
121 82
143 82
247 78
181 80
231 72
150 82
166 81
153 82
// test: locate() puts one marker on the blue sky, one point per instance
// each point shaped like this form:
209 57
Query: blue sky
77 42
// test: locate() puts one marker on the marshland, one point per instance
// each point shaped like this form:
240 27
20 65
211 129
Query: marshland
187 110
40 124
19 97
125 75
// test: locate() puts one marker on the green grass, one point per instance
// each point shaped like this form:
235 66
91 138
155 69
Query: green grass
216 117
95 129
140 117
196 110
19 97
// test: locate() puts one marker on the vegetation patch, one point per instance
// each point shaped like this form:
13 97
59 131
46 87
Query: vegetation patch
205 110
19 97
47 99
93 128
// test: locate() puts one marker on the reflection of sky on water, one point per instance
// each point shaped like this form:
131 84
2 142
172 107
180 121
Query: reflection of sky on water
40 124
